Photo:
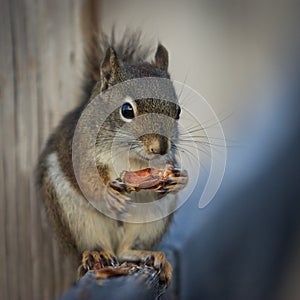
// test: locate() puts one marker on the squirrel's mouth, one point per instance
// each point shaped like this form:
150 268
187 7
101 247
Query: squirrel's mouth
139 153
143 155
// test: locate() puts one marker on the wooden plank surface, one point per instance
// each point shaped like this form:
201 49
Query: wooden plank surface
40 62
127 282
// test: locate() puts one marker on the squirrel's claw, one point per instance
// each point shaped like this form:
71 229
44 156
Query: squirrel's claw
175 183
179 172
117 200
120 186
93 260
157 260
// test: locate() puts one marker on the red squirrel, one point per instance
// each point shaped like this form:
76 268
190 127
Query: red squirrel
82 229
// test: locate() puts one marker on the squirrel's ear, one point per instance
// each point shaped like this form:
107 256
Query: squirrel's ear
162 58
111 69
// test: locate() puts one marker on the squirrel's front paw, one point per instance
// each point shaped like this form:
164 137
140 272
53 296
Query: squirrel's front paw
93 260
175 183
117 200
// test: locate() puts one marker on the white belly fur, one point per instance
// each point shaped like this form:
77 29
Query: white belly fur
90 228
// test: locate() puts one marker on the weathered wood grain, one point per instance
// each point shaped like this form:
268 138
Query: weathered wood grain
123 282
8 145
40 69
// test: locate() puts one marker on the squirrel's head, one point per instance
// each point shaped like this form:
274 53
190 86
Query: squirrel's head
149 125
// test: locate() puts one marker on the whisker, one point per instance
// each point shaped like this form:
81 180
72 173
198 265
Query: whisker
192 158
201 143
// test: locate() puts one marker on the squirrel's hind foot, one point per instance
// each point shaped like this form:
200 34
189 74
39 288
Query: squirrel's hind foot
93 260
154 259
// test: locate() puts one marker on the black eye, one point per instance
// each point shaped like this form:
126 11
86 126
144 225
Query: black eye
127 111
178 112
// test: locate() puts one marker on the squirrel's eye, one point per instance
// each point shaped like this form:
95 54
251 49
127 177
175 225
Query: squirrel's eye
178 112
127 111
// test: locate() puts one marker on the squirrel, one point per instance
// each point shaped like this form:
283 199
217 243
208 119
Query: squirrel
83 231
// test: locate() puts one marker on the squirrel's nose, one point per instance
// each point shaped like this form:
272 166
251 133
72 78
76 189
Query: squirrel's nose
156 150
159 145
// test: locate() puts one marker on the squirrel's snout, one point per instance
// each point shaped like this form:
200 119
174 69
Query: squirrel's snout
156 148
156 144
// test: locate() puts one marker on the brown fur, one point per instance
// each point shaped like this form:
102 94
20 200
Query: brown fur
73 218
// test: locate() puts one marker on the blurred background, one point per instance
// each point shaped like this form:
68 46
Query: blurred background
243 58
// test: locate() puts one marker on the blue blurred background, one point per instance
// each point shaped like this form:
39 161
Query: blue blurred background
243 57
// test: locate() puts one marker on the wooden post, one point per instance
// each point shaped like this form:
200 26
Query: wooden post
126 282
41 45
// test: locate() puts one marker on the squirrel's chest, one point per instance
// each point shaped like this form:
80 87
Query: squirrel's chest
90 228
